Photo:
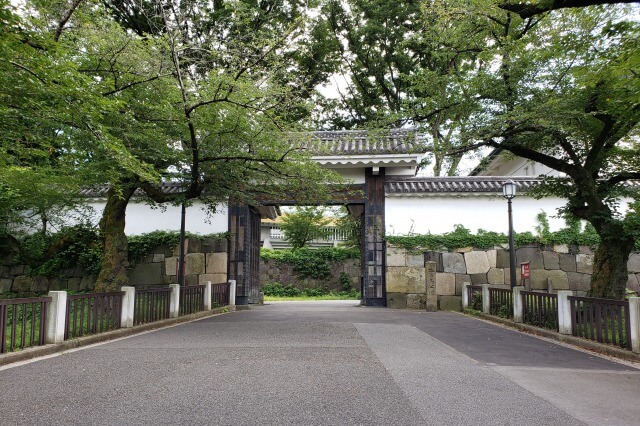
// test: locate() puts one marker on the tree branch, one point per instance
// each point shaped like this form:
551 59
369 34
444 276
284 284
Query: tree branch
529 9
65 19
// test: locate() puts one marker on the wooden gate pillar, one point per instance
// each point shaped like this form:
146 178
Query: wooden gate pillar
374 258
244 253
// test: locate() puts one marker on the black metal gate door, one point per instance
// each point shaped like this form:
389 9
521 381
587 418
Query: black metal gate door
244 253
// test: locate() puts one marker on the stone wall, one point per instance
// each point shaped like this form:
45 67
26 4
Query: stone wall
206 260
563 267
283 273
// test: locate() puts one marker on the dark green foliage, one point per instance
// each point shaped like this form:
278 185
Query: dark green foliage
476 301
345 281
49 255
310 263
278 290
462 237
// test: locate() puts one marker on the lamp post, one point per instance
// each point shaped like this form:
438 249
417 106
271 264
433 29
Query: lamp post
509 192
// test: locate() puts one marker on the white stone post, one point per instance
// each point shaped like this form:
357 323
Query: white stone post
564 312
486 307
518 307
634 317
207 296
465 295
232 292
56 315
174 301
128 305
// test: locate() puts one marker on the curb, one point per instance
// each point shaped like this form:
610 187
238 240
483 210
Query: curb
590 345
54 348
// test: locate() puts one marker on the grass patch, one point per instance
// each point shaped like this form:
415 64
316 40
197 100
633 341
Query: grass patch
329 296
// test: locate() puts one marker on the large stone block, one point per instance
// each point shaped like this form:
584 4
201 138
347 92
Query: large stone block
551 260
495 276
57 284
416 301
195 263
478 279
396 256
415 260
578 281
633 264
502 259
584 263
191 279
170 265
214 278
585 250
530 254
5 285
454 262
450 303
477 262
460 279
87 283
216 263
632 283
406 280
434 256
492 256
561 248
22 284
396 300
158 258
559 279
507 276
145 274
445 284
567 262
74 284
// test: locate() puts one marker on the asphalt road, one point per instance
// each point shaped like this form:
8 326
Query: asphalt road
325 363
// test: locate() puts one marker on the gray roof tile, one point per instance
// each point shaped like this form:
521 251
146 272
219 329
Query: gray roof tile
366 142
487 184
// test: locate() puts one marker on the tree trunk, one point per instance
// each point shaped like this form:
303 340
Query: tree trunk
113 271
610 276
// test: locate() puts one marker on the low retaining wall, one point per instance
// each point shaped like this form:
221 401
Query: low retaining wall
563 267
283 273
206 260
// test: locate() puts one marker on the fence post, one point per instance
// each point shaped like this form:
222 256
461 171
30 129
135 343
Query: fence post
56 317
465 295
564 312
486 305
128 304
232 292
207 296
518 307
634 317
174 301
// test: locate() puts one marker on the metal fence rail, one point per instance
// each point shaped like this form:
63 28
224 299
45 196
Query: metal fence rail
92 313
191 299
540 309
151 305
501 302
220 294
602 320
22 323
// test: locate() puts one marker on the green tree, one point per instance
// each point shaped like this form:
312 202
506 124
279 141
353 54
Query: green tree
199 101
395 77
304 225
561 90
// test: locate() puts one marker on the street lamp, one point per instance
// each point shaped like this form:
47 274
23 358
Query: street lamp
509 192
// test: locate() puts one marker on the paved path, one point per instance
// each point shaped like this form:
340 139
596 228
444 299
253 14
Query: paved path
324 364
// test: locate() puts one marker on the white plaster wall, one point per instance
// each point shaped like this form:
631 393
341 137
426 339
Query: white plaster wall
437 215
142 218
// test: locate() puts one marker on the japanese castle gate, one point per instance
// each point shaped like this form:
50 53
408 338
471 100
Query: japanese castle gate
370 161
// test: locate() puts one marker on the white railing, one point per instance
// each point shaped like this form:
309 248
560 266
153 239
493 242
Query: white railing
331 233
